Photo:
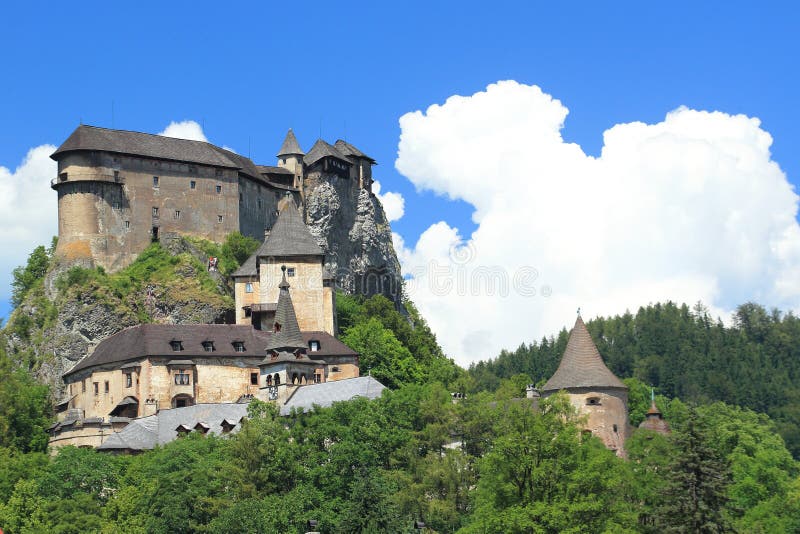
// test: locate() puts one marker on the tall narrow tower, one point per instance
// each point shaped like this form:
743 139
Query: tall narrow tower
290 157
592 389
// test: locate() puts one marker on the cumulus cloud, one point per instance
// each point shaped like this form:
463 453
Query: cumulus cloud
691 208
393 203
184 130
28 217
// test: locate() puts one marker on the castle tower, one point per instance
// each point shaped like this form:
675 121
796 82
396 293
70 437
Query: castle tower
290 245
592 389
286 364
290 157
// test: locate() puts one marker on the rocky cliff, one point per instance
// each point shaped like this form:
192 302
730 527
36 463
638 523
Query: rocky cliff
351 226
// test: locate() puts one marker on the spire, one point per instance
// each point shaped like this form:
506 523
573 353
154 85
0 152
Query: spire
290 146
582 366
286 334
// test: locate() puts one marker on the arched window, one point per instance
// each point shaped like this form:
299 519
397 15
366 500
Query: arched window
277 379
294 378
269 380
303 379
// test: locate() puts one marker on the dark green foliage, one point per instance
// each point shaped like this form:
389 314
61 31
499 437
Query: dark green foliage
695 494
236 249
684 353
24 409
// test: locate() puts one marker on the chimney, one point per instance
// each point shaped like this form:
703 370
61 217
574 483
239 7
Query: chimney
531 392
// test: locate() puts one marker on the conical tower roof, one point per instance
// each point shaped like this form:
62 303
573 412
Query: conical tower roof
286 336
582 366
290 146
290 236
654 420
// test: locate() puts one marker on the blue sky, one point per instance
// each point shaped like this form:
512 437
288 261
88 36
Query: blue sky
248 71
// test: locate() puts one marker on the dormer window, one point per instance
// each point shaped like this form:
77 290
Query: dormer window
177 346
208 346
276 328
313 345
238 346
226 426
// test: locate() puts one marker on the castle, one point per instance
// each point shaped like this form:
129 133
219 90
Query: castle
118 191
282 350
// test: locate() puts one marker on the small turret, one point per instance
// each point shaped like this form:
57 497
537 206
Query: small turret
290 157
654 419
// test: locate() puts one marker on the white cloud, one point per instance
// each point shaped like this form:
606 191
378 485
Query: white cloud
393 203
691 208
184 130
28 217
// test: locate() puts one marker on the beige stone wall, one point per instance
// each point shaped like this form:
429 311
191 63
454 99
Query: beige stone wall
100 404
306 290
243 298
610 409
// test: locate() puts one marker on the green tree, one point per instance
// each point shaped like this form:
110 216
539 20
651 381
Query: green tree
24 409
25 277
382 355
695 496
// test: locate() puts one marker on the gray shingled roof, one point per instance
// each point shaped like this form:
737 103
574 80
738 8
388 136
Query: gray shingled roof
289 237
582 366
155 146
349 150
306 397
320 150
142 341
269 169
289 338
146 432
290 145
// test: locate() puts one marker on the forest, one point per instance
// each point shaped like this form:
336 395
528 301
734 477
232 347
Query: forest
487 461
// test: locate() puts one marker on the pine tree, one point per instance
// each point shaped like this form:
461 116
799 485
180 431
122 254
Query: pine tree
698 479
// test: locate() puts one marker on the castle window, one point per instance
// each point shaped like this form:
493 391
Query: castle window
177 346
155 182
253 379
182 379
208 346
593 401
238 346
83 386
317 378
283 160
192 185
219 218
248 311
127 225
334 369
313 345
259 203
128 380
241 197
96 388
115 205
226 426
290 271
615 427
105 388
269 380
177 214
116 176
155 211
219 189
62 177
248 287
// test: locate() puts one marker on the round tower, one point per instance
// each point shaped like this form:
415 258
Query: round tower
592 389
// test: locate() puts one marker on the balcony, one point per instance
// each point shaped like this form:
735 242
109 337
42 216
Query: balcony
107 177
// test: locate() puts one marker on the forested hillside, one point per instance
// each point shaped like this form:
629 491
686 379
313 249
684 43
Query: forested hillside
683 352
